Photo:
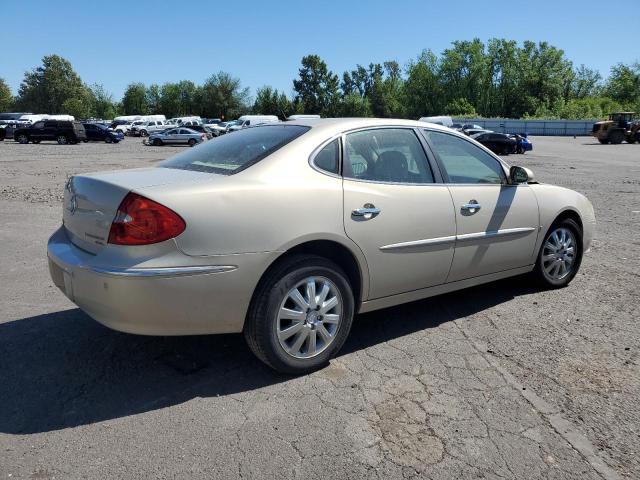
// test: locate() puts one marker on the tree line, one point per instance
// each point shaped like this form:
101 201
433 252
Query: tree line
498 79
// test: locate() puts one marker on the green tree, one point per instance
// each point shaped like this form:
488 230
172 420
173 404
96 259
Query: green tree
46 88
79 107
103 105
271 102
153 99
317 87
222 96
6 98
355 105
460 107
623 84
463 73
421 90
134 101
386 91
585 83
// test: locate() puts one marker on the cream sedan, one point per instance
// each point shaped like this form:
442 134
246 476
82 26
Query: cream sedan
284 232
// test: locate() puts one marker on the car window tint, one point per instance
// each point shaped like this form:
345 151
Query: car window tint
386 155
463 161
231 153
328 158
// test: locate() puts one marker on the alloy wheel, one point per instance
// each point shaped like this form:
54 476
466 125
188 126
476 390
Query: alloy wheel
559 253
309 317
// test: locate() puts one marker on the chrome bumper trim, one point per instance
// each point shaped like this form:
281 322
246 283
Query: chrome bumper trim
163 271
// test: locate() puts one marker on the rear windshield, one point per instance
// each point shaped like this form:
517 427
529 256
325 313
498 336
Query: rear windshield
235 151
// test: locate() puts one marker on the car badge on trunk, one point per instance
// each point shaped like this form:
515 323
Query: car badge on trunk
73 204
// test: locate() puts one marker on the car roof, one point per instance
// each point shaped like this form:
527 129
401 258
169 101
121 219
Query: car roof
336 125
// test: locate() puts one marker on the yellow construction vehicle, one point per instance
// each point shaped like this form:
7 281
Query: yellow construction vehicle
620 126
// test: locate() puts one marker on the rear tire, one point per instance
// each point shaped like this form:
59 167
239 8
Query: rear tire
62 140
560 254
286 329
603 141
23 139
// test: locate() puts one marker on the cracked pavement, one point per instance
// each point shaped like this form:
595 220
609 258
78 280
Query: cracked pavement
501 381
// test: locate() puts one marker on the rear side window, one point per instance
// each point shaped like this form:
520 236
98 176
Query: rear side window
231 153
386 155
463 161
328 158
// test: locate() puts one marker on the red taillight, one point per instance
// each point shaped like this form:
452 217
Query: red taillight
140 221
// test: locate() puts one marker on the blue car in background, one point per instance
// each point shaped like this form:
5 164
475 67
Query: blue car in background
97 132
523 144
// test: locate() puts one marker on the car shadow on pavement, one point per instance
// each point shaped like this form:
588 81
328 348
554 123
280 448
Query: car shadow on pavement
63 369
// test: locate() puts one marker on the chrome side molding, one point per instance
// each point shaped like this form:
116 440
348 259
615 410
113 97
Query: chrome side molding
420 243
458 238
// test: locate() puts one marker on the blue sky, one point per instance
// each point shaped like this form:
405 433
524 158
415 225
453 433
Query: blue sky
118 42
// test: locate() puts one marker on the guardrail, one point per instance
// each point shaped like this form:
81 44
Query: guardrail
534 127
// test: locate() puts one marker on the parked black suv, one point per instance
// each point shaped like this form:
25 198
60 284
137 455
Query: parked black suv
62 131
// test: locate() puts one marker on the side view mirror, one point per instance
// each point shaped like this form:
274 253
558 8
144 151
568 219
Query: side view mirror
520 175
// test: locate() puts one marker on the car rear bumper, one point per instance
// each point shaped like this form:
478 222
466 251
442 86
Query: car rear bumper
178 300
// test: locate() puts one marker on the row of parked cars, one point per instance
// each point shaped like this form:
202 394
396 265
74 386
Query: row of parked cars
155 128
500 143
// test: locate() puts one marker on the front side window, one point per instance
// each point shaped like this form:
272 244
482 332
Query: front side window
38 125
463 161
386 155
231 153
328 158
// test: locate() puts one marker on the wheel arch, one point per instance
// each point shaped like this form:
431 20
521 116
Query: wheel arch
347 257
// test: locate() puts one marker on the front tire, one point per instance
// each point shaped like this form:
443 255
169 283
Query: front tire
156 142
560 255
616 137
301 314
108 140
192 142
62 140
23 139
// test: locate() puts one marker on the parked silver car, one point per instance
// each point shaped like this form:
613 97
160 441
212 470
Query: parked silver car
176 136
285 231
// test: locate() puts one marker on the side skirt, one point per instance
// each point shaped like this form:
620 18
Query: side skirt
384 302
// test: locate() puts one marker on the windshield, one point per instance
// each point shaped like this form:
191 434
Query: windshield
231 153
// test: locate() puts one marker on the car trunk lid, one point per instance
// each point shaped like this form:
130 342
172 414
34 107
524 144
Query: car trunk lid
92 200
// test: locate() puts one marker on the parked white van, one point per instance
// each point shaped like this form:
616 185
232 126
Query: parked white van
441 120
302 117
30 118
145 118
185 121
252 120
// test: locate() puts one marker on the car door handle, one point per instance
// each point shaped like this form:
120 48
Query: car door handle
471 206
368 211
